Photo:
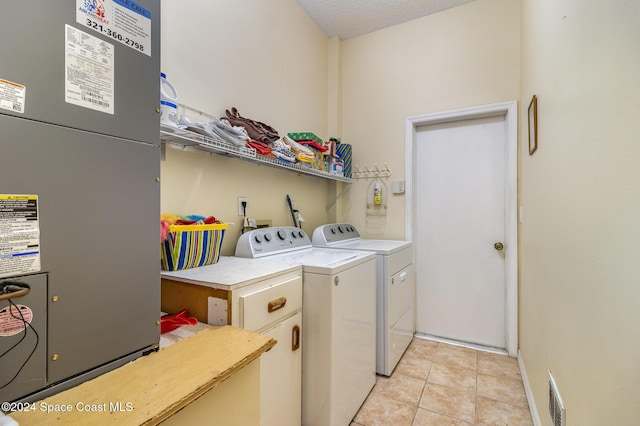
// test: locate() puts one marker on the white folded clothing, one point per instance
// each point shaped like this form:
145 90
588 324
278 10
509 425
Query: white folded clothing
226 133
298 147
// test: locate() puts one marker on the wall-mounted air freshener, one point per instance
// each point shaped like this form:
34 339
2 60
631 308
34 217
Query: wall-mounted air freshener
377 198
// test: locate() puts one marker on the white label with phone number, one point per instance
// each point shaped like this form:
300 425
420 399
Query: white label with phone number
124 21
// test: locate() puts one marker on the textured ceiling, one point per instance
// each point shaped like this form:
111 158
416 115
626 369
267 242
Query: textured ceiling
350 18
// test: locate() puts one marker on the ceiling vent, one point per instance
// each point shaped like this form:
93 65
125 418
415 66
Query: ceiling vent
556 405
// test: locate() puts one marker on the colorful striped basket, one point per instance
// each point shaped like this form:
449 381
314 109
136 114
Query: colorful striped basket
190 246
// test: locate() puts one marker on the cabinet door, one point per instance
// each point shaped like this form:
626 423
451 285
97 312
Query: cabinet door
281 375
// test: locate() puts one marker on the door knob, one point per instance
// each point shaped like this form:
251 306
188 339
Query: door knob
498 246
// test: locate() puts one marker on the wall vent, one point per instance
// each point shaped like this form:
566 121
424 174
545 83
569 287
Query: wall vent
556 406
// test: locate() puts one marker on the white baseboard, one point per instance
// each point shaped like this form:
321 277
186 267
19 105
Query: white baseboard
463 344
527 389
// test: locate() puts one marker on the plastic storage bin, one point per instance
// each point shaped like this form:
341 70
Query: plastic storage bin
190 246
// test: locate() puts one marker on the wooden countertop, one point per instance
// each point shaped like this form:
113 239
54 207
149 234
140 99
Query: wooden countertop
153 388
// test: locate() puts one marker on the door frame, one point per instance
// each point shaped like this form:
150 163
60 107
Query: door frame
508 110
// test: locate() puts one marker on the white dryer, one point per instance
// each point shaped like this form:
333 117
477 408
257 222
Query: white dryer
395 288
339 315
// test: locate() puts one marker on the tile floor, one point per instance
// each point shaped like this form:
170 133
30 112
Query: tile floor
442 384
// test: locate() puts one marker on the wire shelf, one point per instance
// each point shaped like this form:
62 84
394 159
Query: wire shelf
185 138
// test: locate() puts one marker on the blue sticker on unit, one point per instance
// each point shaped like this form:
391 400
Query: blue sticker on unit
131 5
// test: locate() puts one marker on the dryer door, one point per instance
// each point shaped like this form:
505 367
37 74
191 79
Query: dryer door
401 323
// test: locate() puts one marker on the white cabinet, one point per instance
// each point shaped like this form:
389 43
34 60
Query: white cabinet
257 295
274 308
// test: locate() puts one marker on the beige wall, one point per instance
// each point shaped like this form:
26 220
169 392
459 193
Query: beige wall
361 90
465 56
270 61
580 239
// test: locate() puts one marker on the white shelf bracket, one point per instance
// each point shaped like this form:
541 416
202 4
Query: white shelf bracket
335 200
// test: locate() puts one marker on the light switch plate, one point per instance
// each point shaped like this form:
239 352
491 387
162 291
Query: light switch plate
397 187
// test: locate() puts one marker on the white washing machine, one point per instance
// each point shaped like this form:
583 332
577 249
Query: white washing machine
339 315
395 288
260 296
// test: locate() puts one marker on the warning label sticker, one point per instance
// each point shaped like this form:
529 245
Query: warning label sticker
14 319
124 21
12 96
19 235
89 71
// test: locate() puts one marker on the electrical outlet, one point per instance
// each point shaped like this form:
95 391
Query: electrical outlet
241 210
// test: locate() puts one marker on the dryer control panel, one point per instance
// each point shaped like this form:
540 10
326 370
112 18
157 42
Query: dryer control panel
333 233
270 241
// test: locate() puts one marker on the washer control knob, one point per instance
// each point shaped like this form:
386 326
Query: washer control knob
267 237
294 234
301 234
333 230
341 229
258 238
281 234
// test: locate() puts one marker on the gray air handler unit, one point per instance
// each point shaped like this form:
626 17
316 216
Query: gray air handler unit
79 190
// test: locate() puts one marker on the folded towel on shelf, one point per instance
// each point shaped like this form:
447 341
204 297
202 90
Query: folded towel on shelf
240 131
284 154
282 151
228 133
313 144
257 130
305 158
219 131
197 128
297 148
261 148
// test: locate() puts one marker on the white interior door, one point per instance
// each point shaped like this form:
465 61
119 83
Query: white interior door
460 215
